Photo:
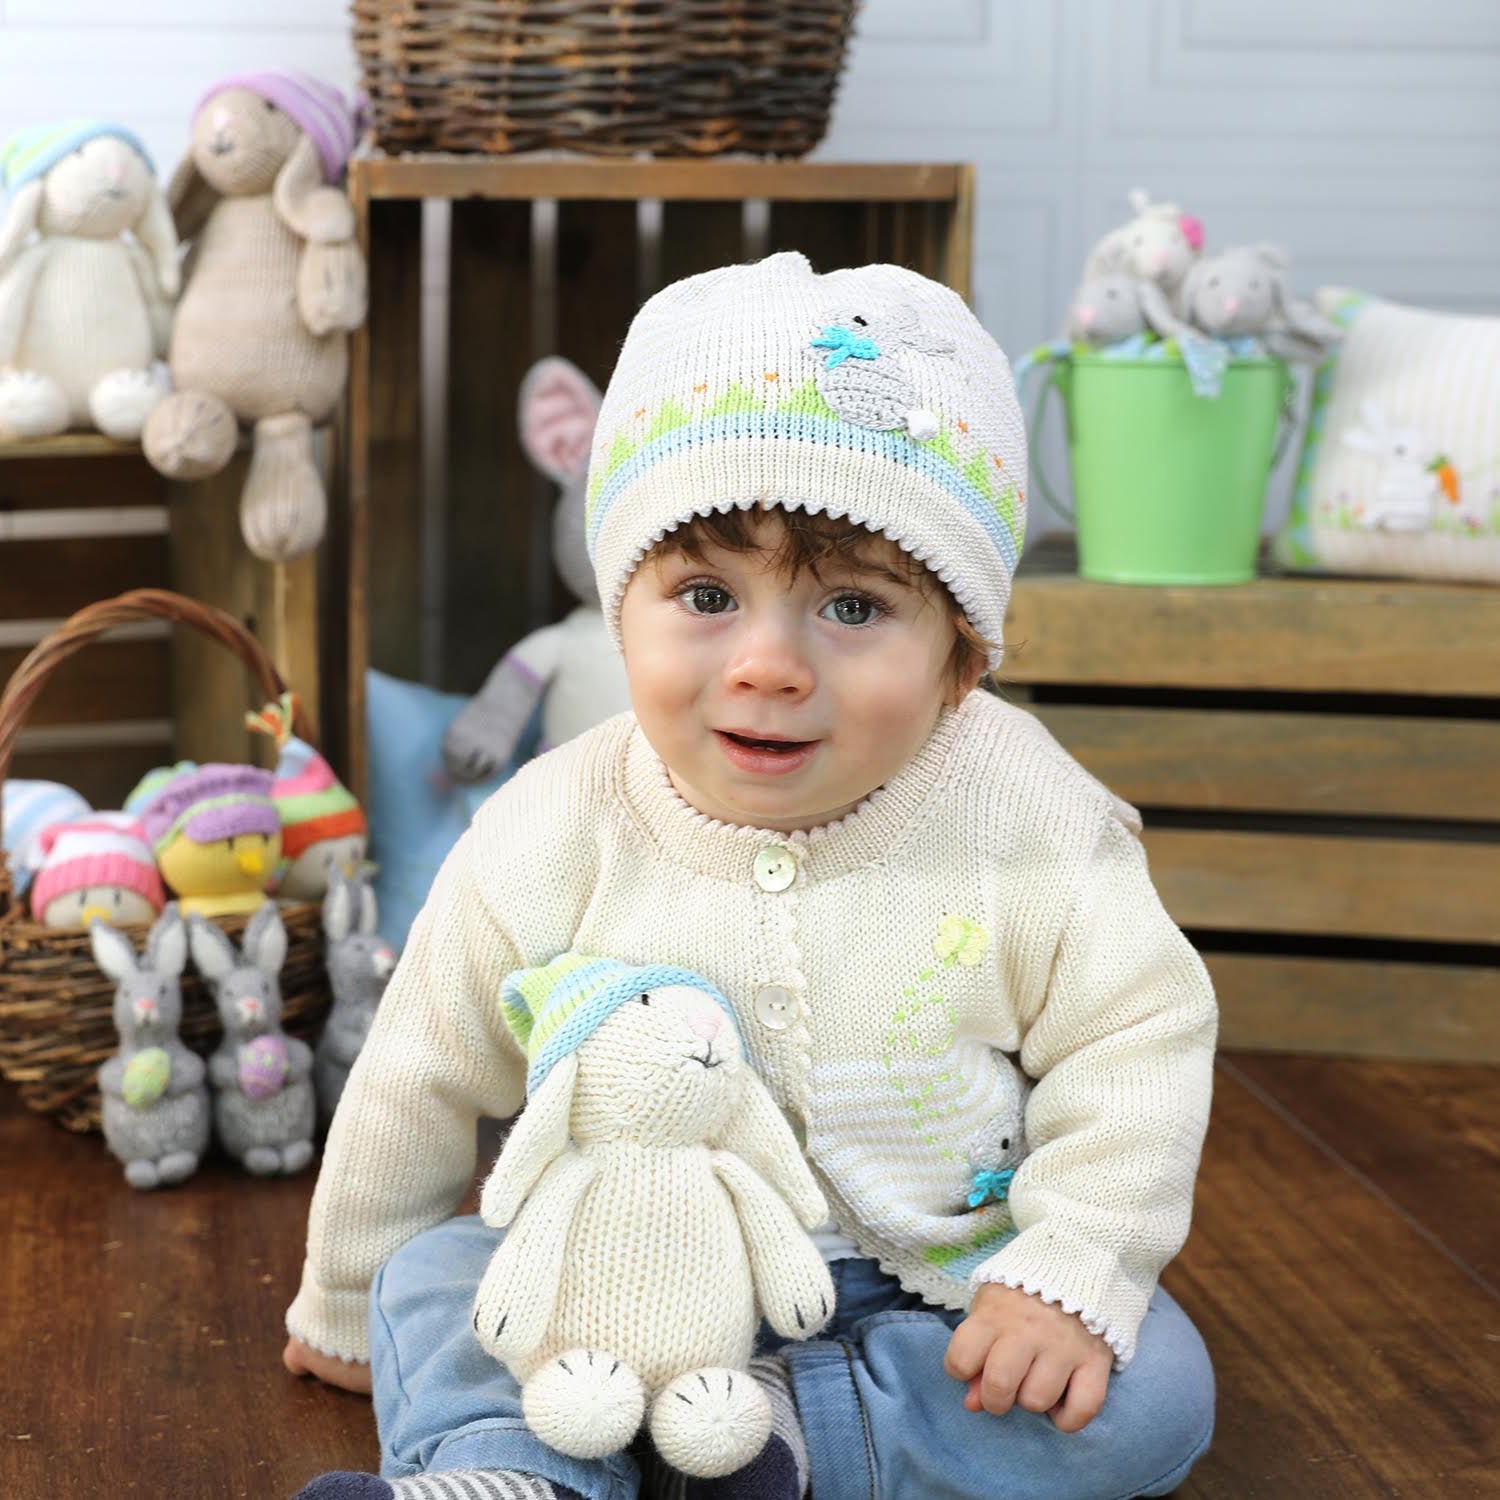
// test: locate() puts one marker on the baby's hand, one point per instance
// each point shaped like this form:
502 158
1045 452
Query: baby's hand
1014 1347
302 1359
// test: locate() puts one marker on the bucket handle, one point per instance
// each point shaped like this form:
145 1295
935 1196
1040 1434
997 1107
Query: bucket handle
1033 435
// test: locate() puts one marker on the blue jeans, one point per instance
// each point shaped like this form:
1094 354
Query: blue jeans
882 1420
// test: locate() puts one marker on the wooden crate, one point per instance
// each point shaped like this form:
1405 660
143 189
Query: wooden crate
1318 763
82 519
619 230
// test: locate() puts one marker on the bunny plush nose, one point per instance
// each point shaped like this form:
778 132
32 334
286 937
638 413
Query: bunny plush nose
1231 304
1086 316
1161 256
220 119
145 1010
384 961
706 1024
250 1008
117 172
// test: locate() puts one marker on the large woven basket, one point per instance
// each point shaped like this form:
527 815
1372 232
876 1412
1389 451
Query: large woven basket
56 1026
606 77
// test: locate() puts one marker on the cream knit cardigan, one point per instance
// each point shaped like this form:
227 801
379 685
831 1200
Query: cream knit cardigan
987 900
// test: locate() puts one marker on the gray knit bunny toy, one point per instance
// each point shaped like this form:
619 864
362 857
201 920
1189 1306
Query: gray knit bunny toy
156 1111
262 1078
866 378
359 967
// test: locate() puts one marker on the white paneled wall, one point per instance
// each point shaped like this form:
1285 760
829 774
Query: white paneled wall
1362 134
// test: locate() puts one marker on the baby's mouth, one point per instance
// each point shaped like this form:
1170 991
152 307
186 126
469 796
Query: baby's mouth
781 747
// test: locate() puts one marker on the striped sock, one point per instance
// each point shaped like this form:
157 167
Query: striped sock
777 1472
448 1484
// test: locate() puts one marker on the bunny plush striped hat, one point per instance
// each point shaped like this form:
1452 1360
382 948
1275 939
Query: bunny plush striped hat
552 1010
870 392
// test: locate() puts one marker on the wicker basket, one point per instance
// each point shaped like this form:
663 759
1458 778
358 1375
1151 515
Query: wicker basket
606 77
56 1026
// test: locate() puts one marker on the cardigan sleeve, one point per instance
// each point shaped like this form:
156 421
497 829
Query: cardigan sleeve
401 1151
1121 1047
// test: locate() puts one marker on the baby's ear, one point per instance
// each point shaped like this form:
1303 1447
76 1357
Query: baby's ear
537 1138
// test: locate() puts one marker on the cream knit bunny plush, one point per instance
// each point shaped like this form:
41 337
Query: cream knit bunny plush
84 310
656 1202
275 284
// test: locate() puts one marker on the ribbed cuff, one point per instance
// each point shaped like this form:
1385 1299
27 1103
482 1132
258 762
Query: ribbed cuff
1079 1278
334 1323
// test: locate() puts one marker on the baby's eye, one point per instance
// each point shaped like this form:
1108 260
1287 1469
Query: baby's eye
706 599
852 609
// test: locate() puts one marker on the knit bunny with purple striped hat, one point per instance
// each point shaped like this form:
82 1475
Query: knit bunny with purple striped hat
277 285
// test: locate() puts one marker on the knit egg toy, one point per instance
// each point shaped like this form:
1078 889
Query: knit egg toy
217 837
264 1064
647 1151
322 827
96 866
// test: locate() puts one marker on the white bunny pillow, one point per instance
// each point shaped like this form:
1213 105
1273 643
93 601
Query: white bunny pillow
1400 474
647 1151
88 270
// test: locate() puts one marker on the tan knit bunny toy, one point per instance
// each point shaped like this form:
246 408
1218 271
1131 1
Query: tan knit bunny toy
275 283
646 1189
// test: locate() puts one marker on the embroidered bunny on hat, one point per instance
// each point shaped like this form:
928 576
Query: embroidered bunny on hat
647 1152
867 380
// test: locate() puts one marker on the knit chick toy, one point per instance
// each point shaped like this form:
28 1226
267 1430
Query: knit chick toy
217 837
656 1201
322 826
97 866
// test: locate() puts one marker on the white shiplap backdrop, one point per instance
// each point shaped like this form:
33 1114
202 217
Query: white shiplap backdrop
1362 134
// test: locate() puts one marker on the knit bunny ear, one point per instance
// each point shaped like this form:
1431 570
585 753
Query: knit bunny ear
369 916
166 944
557 410
113 951
264 942
212 952
538 1137
758 1132
20 220
338 907
191 198
158 237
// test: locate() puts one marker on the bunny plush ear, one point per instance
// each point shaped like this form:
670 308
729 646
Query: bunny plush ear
758 1132
264 942
166 946
113 951
369 915
1192 283
212 952
538 1137
158 236
556 412
338 907
25 209
190 198
1159 314
305 203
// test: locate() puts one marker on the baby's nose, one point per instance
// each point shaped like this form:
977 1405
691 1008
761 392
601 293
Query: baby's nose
706 1024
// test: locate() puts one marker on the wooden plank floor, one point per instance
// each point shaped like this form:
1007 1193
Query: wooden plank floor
1343 1267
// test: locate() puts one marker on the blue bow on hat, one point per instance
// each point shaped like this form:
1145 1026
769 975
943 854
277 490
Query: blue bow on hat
994 1185
845 342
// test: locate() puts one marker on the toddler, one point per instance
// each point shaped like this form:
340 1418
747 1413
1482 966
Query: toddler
804 509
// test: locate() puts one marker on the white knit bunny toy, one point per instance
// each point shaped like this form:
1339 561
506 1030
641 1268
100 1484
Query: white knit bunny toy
653 1193
84 310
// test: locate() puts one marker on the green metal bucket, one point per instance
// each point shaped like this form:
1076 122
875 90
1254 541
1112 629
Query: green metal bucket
1169 487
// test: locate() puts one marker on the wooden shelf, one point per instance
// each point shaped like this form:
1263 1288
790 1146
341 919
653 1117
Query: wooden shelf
437 176
69 445
1289 633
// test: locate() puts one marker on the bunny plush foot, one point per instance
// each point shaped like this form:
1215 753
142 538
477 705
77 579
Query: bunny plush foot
283 510
31 405
711 1422
121 402
262 1161
584 1403
142 1174
295 1157
177 1166
189 435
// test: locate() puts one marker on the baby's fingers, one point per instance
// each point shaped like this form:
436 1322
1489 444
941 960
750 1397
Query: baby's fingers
1086 1389
968 1348
1004 1371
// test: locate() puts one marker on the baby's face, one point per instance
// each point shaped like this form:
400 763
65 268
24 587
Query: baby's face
847 674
